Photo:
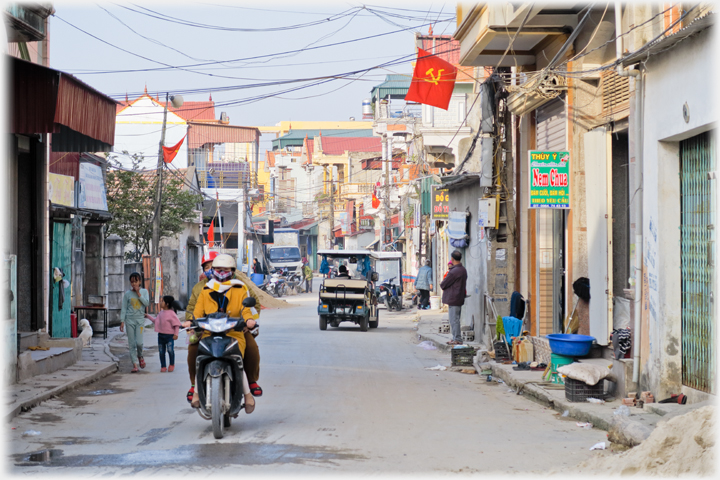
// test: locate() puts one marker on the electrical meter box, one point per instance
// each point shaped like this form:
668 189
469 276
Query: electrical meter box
487 213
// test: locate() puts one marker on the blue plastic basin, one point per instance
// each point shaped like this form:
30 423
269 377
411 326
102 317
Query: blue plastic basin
570 344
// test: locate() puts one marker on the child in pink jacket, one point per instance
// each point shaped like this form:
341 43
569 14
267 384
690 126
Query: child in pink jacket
167 326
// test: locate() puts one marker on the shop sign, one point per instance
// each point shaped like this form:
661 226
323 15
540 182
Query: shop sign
92 188
62 190
440 203
549 179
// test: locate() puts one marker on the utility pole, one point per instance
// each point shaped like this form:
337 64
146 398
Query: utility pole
388 222
157 211
332 209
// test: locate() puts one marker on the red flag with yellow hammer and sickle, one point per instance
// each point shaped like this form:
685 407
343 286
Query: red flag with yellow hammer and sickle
433 81
170 152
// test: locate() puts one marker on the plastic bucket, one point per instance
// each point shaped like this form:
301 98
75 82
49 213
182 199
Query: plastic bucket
570 344
257 278
435 302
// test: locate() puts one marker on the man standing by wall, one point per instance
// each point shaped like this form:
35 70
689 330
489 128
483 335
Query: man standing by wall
453 287
423 282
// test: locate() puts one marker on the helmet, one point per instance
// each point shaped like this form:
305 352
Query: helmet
224 260
208 257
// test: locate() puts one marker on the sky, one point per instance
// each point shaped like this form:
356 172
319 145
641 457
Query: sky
232 50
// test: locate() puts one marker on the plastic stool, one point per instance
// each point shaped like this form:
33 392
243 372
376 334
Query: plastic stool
557 361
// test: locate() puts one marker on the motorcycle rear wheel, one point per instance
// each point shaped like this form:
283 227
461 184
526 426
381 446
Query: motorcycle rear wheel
217 392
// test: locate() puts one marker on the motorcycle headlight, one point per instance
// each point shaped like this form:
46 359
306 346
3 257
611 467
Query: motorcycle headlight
218 325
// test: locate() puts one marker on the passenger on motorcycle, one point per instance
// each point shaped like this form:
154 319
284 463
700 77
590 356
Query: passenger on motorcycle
252 352
223 293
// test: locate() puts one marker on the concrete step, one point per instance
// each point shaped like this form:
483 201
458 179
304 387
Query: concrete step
28 339
61 353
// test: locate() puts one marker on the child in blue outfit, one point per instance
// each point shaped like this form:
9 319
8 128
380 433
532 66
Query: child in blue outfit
132 319
167 326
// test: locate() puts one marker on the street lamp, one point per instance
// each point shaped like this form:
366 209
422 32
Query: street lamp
177 102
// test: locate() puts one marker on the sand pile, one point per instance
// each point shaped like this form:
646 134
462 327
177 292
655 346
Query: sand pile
267 301
680 445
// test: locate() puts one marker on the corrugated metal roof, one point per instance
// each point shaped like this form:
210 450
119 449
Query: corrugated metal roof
394 86
295 138
200 134
44 100
665 43
338 146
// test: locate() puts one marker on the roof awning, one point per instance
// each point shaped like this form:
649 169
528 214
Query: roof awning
372 244
452 182
200 133
99 215
511 34
44 100
665 43
395 86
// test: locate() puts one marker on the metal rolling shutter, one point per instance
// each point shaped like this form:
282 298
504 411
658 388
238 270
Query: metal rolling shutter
698 202
551 131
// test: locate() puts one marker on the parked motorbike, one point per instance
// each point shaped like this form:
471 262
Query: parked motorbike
293 280
388 293
220 370
275 284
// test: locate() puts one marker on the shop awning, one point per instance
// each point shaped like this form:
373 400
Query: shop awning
44 100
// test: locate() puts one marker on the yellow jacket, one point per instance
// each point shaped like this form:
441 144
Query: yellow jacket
234 308
199 287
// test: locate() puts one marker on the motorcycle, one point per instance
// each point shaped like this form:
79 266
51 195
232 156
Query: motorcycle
388 294
293 281
274 284
220 370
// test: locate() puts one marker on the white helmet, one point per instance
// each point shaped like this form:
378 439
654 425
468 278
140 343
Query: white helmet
224 261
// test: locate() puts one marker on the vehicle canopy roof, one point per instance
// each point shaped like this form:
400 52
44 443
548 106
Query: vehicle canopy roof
343 253
386 255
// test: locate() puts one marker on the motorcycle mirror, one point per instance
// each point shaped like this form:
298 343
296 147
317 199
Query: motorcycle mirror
249 302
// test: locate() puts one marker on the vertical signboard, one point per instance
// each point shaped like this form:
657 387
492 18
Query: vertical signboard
440 203
549 179
92 187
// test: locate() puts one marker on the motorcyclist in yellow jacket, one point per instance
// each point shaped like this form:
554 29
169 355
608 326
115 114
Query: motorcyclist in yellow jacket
223 293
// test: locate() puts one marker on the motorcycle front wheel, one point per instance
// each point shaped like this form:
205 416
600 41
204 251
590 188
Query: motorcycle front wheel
218 393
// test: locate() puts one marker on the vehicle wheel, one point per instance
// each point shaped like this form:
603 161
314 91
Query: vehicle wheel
279 291
364 323
323 322
216 390
227 421
374 323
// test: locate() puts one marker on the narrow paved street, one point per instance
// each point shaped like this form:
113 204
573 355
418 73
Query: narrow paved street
339 401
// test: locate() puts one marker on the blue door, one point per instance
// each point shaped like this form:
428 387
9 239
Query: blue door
61 258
